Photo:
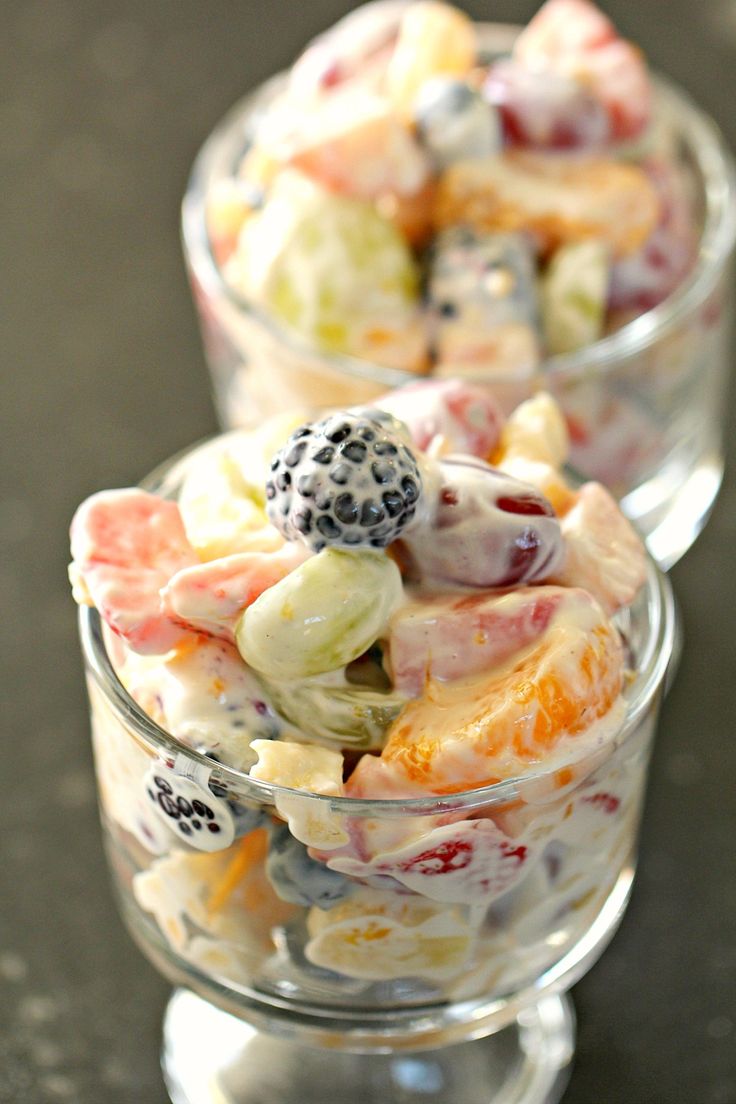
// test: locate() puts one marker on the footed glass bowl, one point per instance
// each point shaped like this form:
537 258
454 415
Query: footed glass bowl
645 404
375 950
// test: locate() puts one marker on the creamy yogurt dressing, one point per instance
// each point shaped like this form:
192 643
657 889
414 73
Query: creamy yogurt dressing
205 696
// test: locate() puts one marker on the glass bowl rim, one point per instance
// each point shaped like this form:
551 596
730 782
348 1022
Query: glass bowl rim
717 170
657 592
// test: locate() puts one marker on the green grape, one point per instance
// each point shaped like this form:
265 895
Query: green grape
574 291
332 711
323 615
329 265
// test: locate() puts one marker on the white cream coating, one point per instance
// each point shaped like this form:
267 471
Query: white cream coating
316 771
604 554
380 935
205 912
304 247
205 696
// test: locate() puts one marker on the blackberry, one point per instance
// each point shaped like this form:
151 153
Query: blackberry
349 481
454 122
298 878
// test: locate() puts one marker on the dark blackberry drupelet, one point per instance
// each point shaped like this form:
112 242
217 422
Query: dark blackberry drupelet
349 481
300 879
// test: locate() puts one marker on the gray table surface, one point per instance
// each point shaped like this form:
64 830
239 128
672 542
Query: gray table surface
102 107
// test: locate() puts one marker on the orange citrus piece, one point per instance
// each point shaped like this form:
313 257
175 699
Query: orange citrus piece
556 199
251 850
474 732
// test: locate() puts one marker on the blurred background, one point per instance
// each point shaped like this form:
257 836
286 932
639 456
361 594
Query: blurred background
102 108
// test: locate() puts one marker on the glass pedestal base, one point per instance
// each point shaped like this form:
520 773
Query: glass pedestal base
211 1057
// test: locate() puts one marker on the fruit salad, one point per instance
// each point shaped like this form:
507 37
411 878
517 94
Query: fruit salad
413 199
403 628
528 208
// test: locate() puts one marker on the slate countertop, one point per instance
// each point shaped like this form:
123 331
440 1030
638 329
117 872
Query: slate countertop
102 108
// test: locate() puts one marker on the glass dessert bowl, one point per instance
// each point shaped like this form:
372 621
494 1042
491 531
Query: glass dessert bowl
294 849
634 347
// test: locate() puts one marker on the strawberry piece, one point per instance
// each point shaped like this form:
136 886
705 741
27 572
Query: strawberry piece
209 597
617 72
606 802
449 415
449 638
596 818
571 38
613 440
126 545
468 862
563 27
358 146
644 279
357 48
544 110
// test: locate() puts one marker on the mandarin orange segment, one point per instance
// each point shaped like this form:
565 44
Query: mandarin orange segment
410 214
556 199
250 850
475 732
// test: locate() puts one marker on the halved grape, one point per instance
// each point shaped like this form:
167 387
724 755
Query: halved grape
487 530
331 267
574 292
322 616
332 711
